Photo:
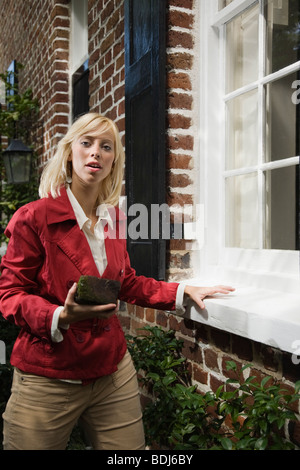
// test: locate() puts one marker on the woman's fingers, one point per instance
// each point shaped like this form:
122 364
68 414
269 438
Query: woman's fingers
197 293
223 289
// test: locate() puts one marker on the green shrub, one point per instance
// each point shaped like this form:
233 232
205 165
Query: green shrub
179 417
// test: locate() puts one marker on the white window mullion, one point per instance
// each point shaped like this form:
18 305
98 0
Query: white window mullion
224 146
288 70
241 91
286 162
261 126
233 9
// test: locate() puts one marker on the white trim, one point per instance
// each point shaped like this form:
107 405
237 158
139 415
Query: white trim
292 161
261 315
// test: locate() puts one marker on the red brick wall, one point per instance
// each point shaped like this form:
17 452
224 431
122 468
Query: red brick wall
36 34
180 142
106 61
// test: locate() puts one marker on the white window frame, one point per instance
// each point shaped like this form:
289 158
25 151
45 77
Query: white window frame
79 34
266 304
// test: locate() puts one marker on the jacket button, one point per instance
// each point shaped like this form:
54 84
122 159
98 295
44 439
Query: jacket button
80 338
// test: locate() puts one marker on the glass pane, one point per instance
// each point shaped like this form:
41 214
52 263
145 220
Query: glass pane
282 124
282 209
79 33
283 33
242 131
242 49
242 228
17 167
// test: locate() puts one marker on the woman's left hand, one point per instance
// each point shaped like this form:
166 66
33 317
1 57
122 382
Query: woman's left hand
197 294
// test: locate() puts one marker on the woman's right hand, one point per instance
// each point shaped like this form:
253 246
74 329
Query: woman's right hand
73 312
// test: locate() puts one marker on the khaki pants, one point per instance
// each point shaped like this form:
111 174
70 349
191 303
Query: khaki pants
42 412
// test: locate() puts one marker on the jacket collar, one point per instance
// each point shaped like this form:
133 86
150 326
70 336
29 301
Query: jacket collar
60 209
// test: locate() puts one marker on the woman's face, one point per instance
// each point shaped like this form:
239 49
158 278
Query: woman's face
92 157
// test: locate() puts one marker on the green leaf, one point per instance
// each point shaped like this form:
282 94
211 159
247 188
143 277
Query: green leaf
250 379
265 380
153 376
246 366
219 391
226 443
232 381
261 443
231 365
263 425
297 386
168 379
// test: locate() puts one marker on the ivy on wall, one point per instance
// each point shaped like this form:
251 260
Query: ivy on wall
19 120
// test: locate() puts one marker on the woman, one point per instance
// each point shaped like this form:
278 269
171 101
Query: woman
71 360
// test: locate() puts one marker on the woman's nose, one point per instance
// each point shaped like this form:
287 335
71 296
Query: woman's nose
95 151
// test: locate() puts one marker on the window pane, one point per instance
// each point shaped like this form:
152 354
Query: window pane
242 130
283 33
79 33
242 49
282 213
282 125
242 229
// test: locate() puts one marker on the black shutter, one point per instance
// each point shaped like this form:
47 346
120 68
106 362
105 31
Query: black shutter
145 50
80 91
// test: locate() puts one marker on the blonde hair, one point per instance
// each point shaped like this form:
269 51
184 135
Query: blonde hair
58 169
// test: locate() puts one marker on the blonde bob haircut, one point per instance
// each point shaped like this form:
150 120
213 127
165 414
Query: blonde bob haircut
58 170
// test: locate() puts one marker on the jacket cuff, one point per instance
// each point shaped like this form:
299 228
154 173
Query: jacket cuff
56 334
180 300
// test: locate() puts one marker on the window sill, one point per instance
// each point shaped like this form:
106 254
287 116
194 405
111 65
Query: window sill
262 315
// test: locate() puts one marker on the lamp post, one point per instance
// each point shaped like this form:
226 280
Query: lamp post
17 159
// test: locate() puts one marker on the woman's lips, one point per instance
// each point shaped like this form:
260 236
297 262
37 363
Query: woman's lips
94 166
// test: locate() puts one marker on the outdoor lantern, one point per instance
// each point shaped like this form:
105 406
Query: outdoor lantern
17 162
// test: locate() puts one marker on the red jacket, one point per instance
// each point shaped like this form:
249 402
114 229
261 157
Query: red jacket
47 252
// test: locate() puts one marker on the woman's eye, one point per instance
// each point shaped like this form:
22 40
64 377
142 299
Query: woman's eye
107 147
85 143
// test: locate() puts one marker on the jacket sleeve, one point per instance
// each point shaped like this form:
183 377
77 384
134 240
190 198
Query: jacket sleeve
20 299
147 292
